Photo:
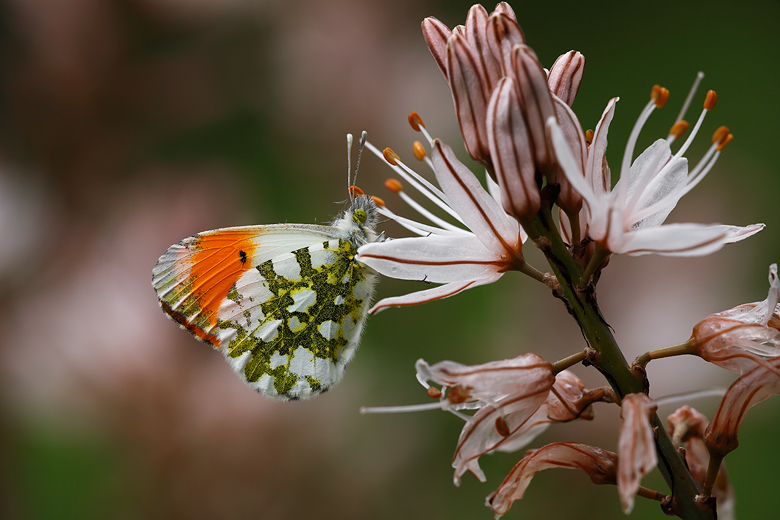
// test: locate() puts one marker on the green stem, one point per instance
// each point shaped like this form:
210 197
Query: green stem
570 361
609 360
676 350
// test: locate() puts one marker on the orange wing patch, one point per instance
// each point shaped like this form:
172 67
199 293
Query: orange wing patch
213 262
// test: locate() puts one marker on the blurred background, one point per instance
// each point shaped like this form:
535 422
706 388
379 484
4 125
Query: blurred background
127 125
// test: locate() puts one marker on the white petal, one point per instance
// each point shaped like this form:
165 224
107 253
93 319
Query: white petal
736 233
675 240
595 172
479 211
572 167
436 259
429 295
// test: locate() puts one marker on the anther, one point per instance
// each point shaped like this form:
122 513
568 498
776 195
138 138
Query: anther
419 151
379 202
709 102
725 141
394 185
390 156
679 128
660 95
355 191
433 392
416 121
720 134
588 136
502 427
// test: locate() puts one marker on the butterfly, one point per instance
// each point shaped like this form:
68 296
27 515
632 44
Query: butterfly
285 303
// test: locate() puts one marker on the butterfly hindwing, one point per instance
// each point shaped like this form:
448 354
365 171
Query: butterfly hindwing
292 325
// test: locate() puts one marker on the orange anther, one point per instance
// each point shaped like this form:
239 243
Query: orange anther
502 427
394 185
355 191
720 134
725 141
660 95
588 136
416 121
391 156
379 202
709 102
419 151
679 128
433 392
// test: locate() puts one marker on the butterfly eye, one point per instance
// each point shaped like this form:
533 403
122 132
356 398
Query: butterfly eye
360 216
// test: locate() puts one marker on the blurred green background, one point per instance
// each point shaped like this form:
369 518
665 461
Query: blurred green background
126 125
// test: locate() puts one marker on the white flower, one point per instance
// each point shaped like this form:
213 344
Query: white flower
628 218
446 254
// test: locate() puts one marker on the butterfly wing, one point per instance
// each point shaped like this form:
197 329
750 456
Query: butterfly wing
193 277
286 304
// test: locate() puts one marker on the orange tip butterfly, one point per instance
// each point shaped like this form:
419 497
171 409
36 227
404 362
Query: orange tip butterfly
285 303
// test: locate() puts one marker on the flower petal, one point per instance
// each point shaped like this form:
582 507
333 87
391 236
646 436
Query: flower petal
503 34
476 33
674 240
437 259
572 167
481 433
511 152
535 98
429 295
436 35
479 211
569 199
600 465
636 446
468 85
746 392
566 76
596 171
490 381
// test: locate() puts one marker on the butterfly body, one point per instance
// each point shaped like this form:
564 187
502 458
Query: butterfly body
285 303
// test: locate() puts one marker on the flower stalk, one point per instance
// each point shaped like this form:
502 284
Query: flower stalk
609 360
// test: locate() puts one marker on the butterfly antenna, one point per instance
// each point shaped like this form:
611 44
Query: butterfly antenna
349 168
363 138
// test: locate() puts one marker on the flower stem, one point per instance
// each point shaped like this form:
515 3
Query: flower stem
609 360
676 350
563 364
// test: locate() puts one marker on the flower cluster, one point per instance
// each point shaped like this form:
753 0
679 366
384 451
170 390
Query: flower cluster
517 123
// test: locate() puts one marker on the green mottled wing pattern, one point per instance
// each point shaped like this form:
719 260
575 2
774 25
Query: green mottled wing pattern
290 326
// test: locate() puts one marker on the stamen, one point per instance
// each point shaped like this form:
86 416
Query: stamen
689 98
720 134
676 399
725 141
416 121
693 133
427 214
709 103
589 136
677 130
394 185
433 392
379 202
502 427
419 151
417 227
355 191
401 409
417 181
625 167
659 95
390 156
